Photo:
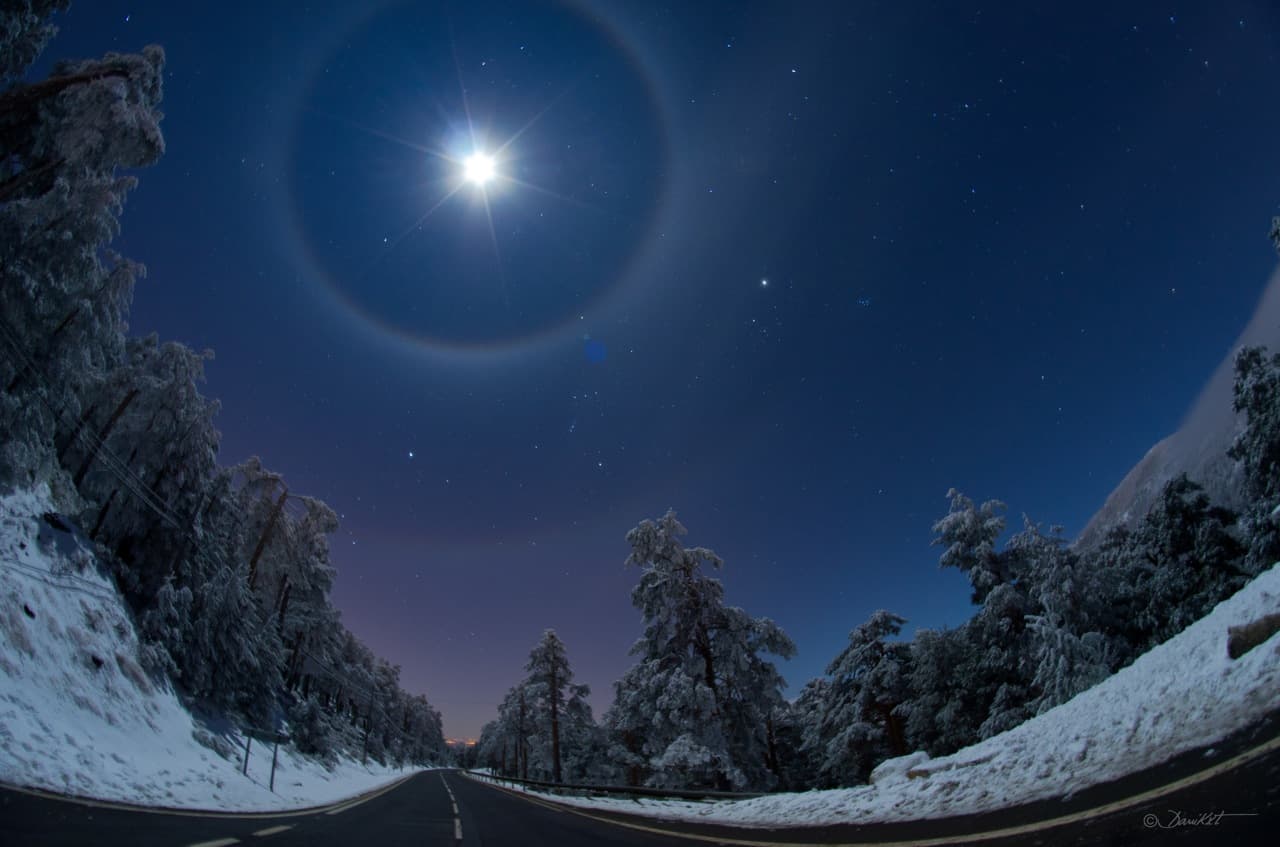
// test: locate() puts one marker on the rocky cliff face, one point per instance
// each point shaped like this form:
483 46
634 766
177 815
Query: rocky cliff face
1199 447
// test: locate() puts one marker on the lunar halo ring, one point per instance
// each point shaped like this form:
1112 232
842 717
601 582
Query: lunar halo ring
622 285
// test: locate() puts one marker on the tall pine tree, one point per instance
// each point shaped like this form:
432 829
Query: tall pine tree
695 709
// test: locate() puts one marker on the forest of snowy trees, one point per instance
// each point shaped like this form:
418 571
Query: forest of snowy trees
703 707
226 570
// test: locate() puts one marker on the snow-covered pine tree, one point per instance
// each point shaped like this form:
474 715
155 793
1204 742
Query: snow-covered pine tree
583 742
1195 560
216 636
551 676
859 724
998 631
694 710
423 732
515 716
63 295
1003 669
1257 449
797 725
168 444
969 534
1069 651
25 27
944 710
545 729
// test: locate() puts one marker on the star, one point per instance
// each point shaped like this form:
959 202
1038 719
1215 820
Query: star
764 283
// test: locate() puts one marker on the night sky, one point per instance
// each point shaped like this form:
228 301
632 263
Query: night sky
793 269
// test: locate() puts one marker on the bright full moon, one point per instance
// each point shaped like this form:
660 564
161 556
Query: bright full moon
479 168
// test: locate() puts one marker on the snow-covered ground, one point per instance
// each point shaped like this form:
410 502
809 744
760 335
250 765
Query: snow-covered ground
1183 694
79 716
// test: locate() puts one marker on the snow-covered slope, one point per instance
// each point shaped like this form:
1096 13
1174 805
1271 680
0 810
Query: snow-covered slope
79 716
1199 447
1183 694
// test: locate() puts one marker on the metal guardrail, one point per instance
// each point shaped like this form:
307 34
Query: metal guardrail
617 790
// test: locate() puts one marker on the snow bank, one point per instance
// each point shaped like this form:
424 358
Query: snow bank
79 716
1184 694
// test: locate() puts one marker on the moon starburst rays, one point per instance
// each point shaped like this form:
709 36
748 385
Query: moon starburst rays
479 168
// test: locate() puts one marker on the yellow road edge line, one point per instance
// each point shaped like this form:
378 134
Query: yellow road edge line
363 798
989 835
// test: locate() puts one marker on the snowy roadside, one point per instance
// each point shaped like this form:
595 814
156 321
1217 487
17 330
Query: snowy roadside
1184 694
78 716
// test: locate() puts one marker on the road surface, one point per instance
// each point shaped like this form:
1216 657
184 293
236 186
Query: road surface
449 809
417 813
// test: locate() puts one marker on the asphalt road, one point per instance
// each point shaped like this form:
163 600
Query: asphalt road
448 809
419 812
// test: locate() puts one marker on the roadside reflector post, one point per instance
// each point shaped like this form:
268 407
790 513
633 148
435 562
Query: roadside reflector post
248 741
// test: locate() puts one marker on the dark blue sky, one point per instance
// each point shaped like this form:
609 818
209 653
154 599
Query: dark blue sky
1004 249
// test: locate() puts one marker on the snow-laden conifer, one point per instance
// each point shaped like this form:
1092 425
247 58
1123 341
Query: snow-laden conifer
696 707
859 722
25 27
549 671
969 534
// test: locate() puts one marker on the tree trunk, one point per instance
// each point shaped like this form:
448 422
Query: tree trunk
554 696
102 514
58 330
103 435
771 752
284 605
206 502
522 749
368 727
133 457
85 416
266 533
702 643
893 728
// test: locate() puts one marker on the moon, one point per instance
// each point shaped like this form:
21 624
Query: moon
479 168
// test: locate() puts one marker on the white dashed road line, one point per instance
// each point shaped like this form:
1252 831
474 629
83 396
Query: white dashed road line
453 801
272 830
221 842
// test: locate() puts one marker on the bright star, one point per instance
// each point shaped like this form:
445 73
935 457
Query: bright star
479 168
410 454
